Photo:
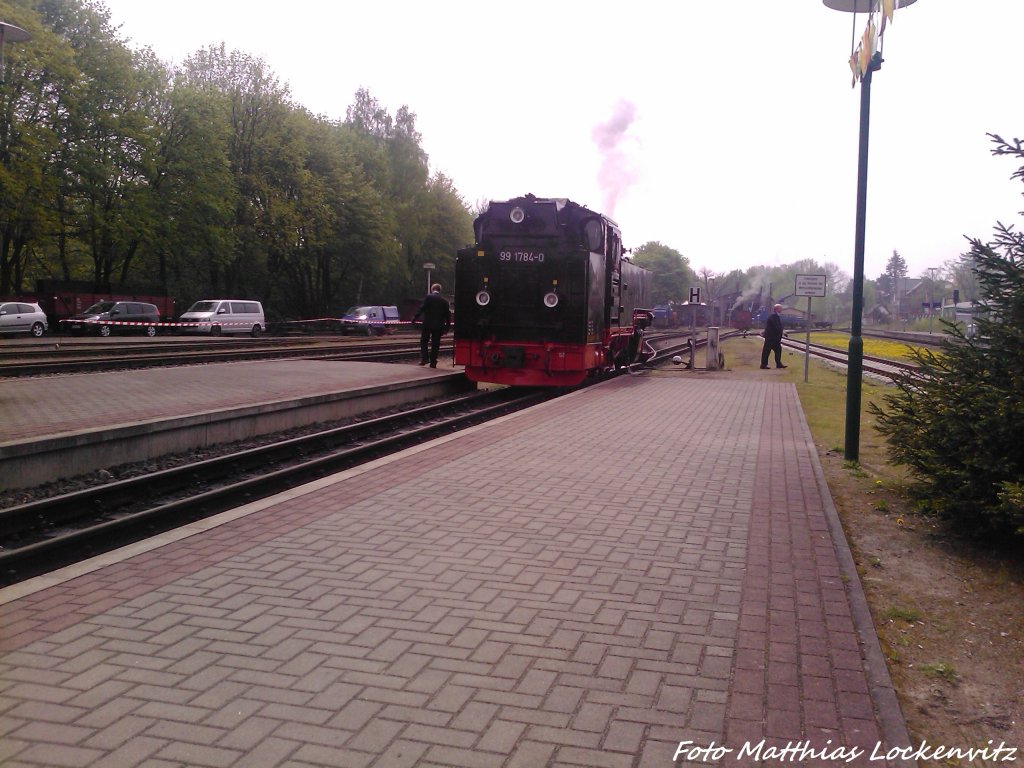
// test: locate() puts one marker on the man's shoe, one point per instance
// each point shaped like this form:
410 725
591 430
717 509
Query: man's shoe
423 362
764 367
433 365
779 366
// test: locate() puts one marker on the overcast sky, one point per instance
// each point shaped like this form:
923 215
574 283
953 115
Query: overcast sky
724 129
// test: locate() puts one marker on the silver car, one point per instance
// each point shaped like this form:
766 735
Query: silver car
22 317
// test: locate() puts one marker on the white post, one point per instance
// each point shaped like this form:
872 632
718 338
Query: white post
712 348
693 332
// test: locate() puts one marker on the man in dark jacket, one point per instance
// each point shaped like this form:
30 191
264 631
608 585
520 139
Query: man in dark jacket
773 338
437 318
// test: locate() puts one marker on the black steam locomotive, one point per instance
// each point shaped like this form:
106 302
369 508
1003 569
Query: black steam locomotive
545 297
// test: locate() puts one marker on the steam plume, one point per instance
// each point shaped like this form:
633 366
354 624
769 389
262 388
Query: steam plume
616 173
758 288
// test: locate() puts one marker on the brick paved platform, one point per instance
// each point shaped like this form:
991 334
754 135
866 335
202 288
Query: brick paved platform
587 583
60 426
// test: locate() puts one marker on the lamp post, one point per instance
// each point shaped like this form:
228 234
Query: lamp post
9 34
931 296
429 266
855 351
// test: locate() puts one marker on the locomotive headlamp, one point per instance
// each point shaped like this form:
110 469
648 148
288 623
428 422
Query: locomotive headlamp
517 215
483 298
551 300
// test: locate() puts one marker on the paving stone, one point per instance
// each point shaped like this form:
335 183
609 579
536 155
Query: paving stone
574 585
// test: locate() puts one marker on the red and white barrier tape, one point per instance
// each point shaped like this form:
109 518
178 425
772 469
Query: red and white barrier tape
349 322
202 323
147 324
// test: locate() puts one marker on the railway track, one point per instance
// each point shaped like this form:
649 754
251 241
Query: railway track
876 366
43 535
70 355
87 358
47 534
668 345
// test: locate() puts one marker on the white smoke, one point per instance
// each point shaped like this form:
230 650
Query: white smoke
758 288
617 173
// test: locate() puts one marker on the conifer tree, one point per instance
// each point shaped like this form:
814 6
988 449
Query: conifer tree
957 420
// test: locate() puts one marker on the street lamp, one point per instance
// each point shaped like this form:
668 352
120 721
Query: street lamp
10 34
866 61
931 295
429 266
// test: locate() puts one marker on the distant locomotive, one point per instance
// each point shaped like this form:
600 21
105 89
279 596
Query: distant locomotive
545 297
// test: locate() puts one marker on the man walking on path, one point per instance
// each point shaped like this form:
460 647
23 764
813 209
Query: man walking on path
437 318
773 338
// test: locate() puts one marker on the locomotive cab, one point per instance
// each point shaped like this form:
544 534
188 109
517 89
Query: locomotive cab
543 294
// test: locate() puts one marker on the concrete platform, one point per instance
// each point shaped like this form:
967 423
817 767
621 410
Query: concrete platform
592 582
61 426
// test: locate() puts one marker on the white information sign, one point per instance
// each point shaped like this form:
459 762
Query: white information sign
810 285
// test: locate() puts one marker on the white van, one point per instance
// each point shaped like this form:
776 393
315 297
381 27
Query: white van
217 316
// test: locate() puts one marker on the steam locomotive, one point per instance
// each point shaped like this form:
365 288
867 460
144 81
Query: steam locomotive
546 298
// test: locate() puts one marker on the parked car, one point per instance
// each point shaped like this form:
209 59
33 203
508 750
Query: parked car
217 316
368 320
107 317
22 317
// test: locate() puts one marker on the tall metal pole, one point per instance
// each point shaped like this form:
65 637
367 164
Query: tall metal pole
807 340
931 296
855 352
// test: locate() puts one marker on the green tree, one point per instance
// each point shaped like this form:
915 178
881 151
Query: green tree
888 283
34 108
106 144
393 156
449 227
672 276
263 158
205 179
194 191
344 239
957 419
430 218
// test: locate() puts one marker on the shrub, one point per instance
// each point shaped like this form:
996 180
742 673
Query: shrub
958 420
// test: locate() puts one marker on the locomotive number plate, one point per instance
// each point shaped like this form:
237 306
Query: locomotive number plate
521 257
